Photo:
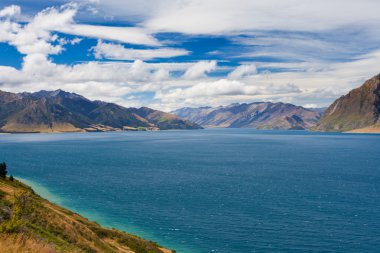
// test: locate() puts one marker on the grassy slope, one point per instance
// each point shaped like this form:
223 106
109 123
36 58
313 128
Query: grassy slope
29 223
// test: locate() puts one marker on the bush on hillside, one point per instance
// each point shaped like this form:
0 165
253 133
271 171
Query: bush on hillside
3 170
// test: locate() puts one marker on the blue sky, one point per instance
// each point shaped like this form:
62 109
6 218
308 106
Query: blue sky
169 54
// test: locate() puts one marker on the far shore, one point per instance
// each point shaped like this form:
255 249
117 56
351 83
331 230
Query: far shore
368 130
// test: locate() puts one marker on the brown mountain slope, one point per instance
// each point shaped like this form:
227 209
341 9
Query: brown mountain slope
357 111
60 111
165 120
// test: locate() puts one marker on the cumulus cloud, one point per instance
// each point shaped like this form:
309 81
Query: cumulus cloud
230 88
35 37
222 90
10 11
61 19
94 80
208 89
242 71
98 81
118 52
199 69
175 84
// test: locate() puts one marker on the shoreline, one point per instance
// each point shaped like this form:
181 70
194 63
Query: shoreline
367 130
41 226
46 194
87 132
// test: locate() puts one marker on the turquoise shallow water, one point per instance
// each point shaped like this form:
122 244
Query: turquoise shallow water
220 190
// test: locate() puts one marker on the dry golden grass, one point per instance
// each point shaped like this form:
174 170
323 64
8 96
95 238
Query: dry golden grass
22 243
13 127
36 225
372 129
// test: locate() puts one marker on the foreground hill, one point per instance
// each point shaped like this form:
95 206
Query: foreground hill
31 224
263 115
60 111
358 111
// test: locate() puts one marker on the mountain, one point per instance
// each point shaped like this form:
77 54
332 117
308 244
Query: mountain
60 111
261 115
164 120
29 223
357 111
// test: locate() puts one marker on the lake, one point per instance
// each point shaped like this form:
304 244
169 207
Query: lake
213 190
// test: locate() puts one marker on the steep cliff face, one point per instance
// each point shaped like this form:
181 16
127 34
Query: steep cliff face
60 111
263 115
359 109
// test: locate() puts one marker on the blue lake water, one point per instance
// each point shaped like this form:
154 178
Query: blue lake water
220 190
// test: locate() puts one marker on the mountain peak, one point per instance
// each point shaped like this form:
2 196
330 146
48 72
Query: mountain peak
61 111
55 93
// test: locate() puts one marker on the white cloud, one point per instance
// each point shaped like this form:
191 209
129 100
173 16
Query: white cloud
132 35
242 71
199 69
64 41
308 82
53 18
215 16
161 75
37 35
223 91
99 81
222 87
10 11
118 52
310 106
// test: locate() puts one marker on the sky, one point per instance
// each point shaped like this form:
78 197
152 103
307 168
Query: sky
169 54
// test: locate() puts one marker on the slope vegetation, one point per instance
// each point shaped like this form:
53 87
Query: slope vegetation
31 224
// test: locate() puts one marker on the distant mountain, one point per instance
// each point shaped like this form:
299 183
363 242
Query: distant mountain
357 111
262 115
60 111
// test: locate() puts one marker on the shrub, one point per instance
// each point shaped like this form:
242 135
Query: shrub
3 170
22 207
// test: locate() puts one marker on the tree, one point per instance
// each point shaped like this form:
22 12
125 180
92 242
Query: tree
3 170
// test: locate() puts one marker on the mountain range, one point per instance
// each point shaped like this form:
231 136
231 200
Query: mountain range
60 111
261 115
